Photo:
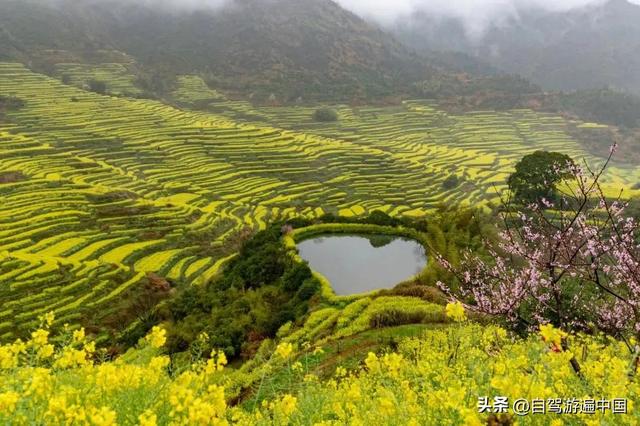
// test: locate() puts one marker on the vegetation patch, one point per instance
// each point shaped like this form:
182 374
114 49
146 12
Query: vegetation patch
537 176
325 115
12 177
120 187
267 285
9 103
601 105
259 291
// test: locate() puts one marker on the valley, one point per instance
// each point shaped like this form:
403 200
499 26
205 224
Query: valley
112 188
319 212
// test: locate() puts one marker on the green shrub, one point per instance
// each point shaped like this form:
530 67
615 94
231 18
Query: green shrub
10 103
295 277
97 86
395 317
260 290
451 182
381 218
308 289
325 115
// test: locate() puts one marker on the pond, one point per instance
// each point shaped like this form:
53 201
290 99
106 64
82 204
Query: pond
362 263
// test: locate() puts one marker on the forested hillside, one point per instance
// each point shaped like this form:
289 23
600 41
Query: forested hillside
279 51
591 47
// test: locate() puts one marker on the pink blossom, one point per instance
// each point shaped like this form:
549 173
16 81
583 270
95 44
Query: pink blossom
581 264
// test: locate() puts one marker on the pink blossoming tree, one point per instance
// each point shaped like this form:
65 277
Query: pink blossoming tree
574 262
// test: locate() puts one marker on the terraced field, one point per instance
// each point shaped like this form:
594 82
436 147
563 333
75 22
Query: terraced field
480 148
106 189
118 79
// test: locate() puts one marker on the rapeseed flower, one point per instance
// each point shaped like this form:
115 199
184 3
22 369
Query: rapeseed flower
103 416
148 418
39 338
456 312
287 405
8 402
372 362
47 319
284 350
552 335
157 337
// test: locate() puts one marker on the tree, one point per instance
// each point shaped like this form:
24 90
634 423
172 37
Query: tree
576 266
451 182
98 86
9 103
325 115
537 176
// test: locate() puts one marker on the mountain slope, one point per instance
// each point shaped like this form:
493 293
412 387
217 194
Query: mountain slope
292 46
585 48
302 48
274 51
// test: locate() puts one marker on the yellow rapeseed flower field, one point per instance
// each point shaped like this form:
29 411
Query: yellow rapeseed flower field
437 378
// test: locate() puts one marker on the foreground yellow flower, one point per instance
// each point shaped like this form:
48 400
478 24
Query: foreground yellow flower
157 337
456 312
79 336
103 417
414 383
552 335
45 352
70 357
8 358
392 363
148 418
217 362
372 362
386 403
41 381
287 405
39 338
47 318
8 401
158 363
284 350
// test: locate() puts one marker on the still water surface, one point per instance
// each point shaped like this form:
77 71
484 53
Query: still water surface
362 263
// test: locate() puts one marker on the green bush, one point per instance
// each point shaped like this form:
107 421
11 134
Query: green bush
260 290
97 86
396 317
451 182
380 218
10 103
308 289
296 276
325 115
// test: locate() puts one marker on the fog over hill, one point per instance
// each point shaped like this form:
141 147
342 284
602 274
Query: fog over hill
562 45
476 15
291 49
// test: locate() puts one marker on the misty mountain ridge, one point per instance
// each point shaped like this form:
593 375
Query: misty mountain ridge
254 46
284 49
590 47
287 51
